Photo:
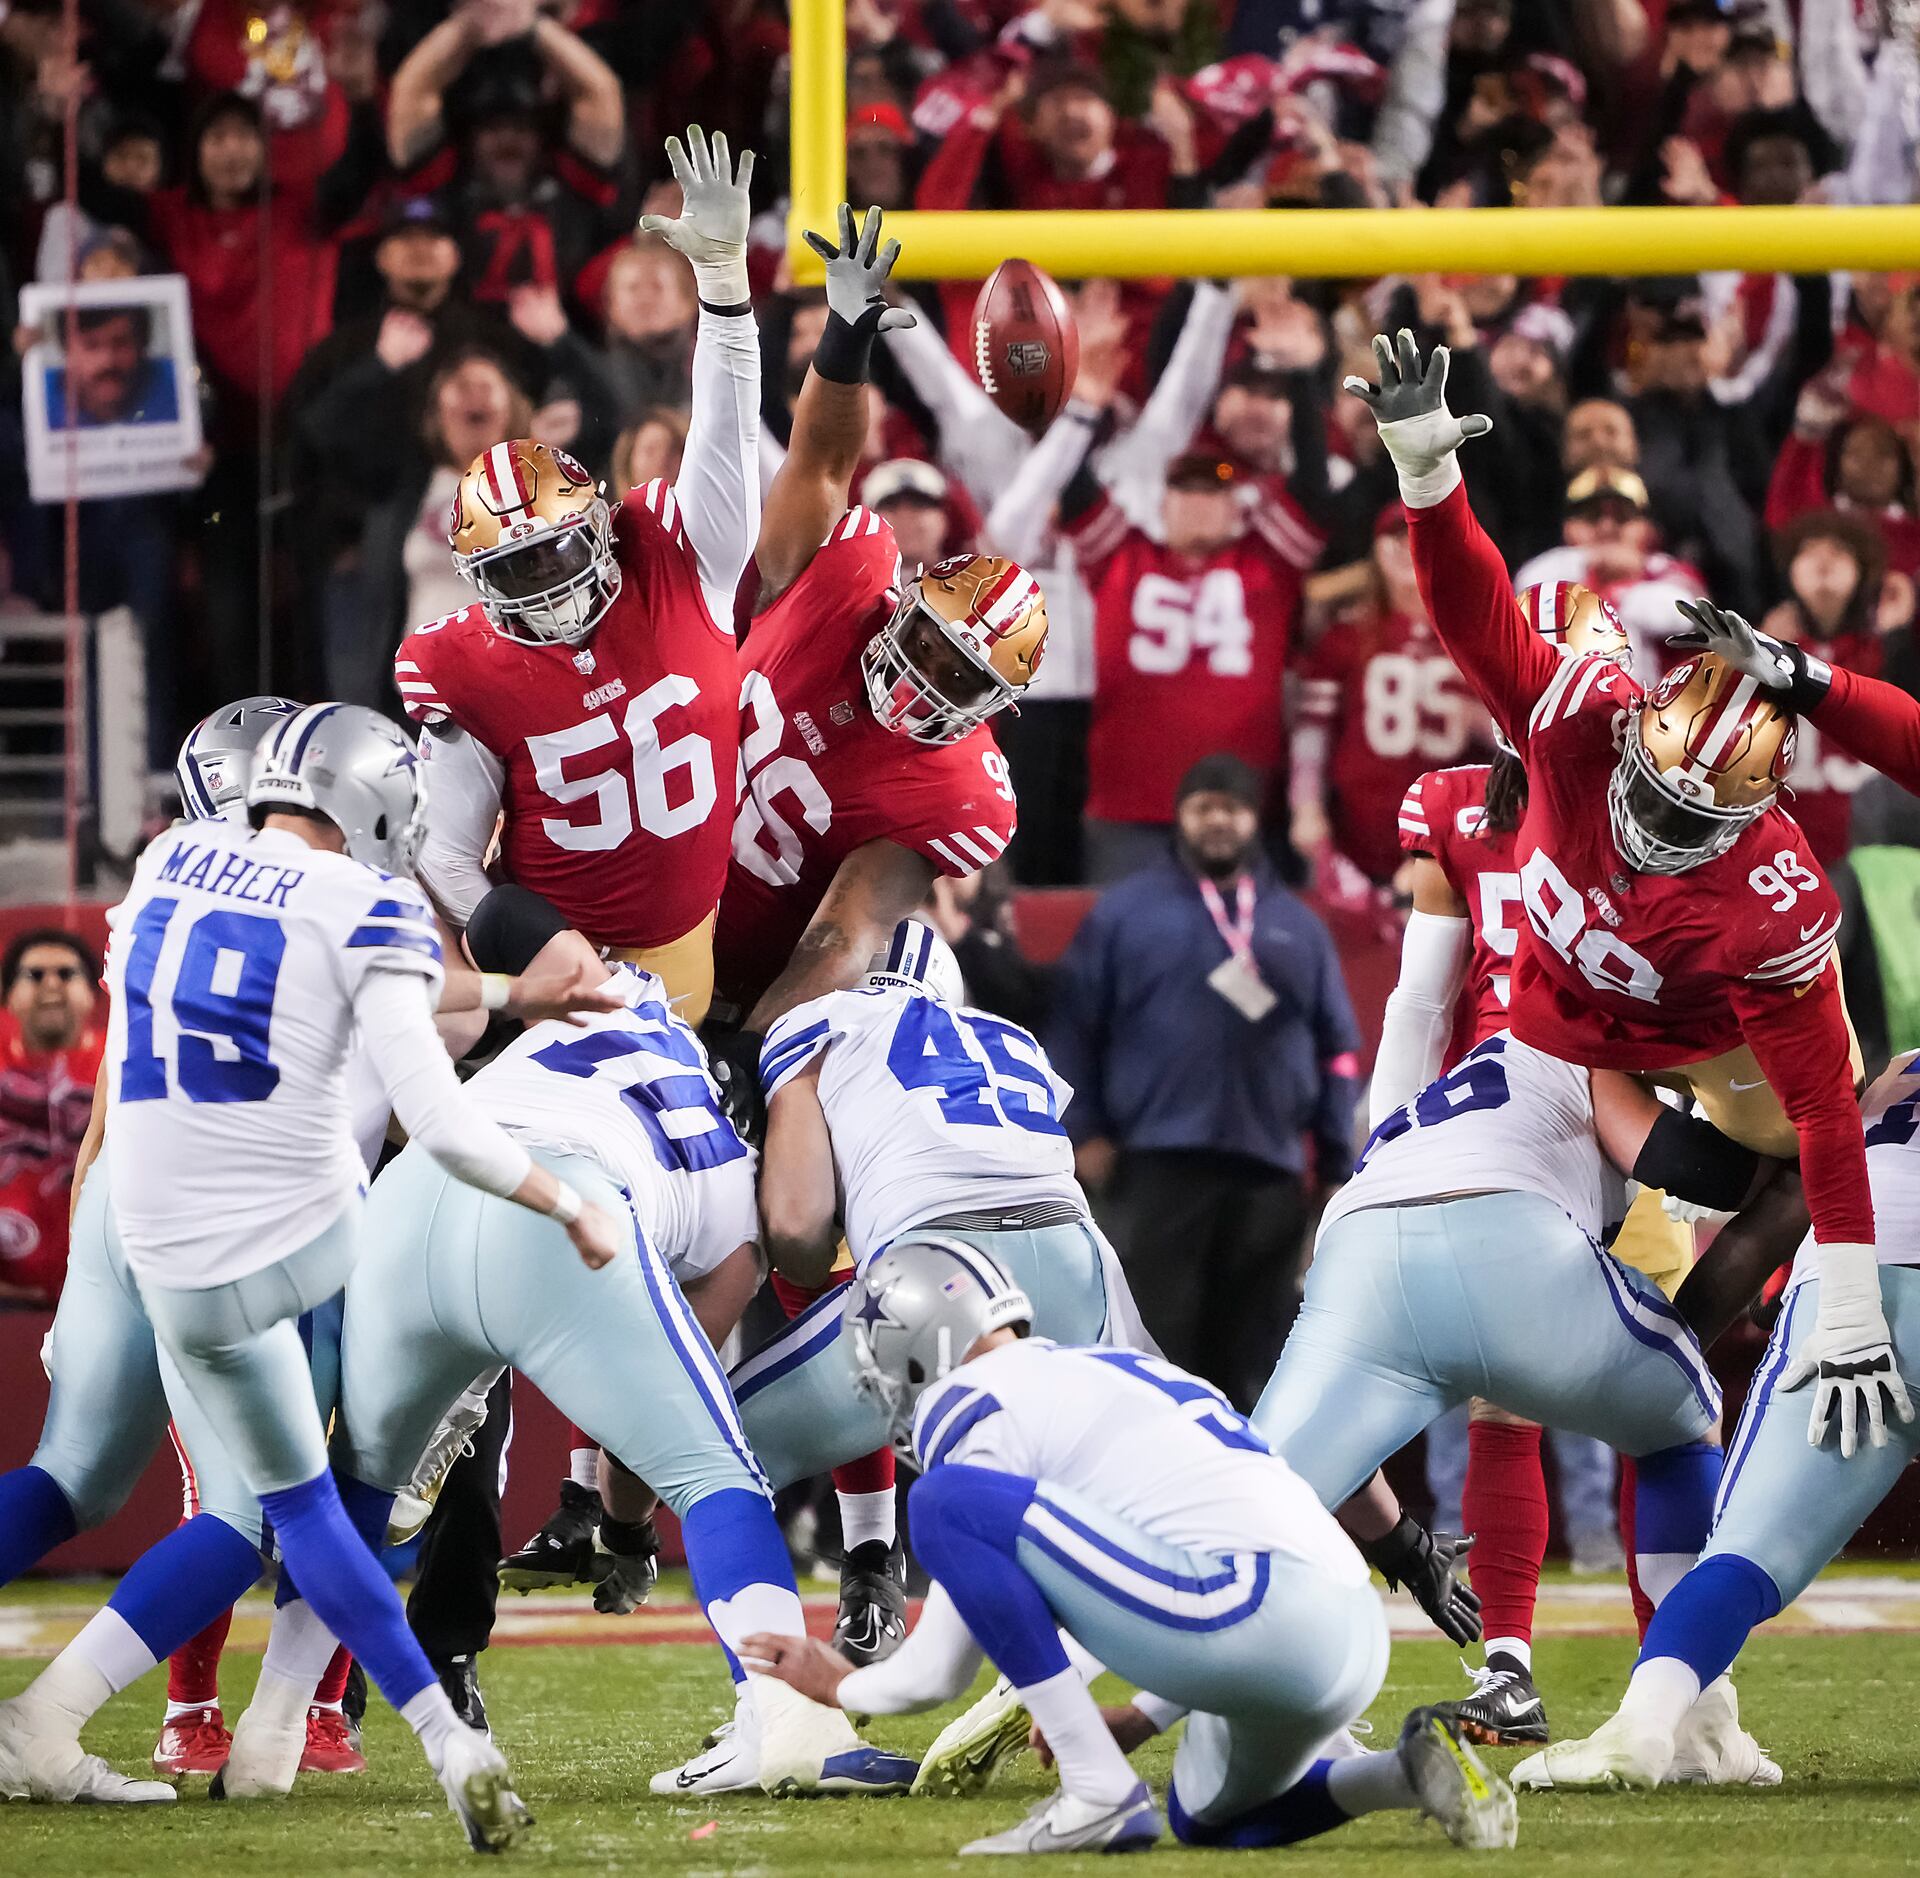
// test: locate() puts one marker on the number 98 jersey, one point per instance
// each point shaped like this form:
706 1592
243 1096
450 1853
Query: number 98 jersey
933 1109
233 965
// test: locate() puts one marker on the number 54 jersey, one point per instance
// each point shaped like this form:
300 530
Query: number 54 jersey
232 966
933 1110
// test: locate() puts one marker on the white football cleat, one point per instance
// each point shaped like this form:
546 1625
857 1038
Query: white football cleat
728 1763
807 1748
1454 1786
1711 1749
1065 1824
1619 1753
966 1751
263 1760
37 1765
479 1789
414 1503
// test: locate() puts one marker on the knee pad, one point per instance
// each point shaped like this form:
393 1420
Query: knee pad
955 1503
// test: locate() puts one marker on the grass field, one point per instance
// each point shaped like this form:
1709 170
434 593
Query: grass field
586 1724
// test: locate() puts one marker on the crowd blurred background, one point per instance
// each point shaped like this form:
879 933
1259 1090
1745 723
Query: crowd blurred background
407 232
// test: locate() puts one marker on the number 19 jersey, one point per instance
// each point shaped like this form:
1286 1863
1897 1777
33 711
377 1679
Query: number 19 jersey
232 967
933 1110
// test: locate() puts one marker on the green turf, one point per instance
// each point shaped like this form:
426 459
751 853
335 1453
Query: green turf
585 1726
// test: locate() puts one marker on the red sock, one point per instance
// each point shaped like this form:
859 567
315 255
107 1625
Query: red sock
1642 1604
333 1685
1504 1505
872 1473
193 1671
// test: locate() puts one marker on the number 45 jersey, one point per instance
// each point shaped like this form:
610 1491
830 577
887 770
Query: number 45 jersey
232 966
933 1109
820 775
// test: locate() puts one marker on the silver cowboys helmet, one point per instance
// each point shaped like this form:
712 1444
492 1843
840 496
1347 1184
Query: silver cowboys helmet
211 769
915 1312
356 768
918 958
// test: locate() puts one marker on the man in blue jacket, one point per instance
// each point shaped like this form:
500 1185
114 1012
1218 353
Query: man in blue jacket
1203 1021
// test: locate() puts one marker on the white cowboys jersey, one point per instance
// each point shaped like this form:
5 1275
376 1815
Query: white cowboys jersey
1137 1438
630 1091
933 1109
233 966
1506 1119
1891 1112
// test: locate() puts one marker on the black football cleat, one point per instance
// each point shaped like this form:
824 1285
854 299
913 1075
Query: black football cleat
872 1620
1504 1710
562 1552
460 1677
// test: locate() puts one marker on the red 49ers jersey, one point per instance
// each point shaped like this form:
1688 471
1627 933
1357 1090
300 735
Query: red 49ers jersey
1393 705
618 754
1444 817
820 776
1824 777
1189 652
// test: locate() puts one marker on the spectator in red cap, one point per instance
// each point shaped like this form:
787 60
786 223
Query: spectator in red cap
49 1056
879 149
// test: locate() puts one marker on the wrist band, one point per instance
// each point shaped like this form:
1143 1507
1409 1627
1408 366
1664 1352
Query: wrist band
496 991
566 1205
846 348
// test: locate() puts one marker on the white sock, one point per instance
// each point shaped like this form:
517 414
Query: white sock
1659 1572
1661 1691
1369 1783
1088 1666
865 1517
430 1715
299 1646
583 1468
1516 1647
753 1609
176 1709
1092 1768
106 1657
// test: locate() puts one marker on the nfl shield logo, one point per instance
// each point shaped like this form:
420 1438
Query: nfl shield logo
841 713
583 661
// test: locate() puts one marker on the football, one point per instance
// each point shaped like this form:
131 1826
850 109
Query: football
1026 348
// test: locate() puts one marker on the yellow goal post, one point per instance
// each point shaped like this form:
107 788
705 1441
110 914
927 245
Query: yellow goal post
1146 244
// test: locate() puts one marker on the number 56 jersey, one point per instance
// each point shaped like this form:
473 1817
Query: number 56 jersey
933 1110
233 965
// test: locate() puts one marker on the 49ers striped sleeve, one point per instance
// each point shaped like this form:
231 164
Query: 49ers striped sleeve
1287 532
1416 828
1803 961
418 691
967 850
1567 690
659 501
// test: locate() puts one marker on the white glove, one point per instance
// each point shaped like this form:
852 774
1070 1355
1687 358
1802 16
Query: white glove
1410 407
1757 655
857 270
711 228
1850 1351
1686 1212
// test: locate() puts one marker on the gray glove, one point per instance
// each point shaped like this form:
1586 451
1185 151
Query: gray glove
1754 654
711 228
1410 407
857 271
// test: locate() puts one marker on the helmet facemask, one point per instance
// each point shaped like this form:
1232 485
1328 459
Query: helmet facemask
1669 822
554 588
925 680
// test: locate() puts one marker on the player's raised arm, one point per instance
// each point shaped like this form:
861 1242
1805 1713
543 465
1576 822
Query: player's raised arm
1463 580
1874 722
1434 957
810 490
718 490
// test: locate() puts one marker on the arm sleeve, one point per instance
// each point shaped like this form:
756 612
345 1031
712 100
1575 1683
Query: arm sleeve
1798 1035
1017 518
1416 91
1469 598
466 783
1419 1015
395 1021
1875 723
937 1661
718 489
1172 414
978 441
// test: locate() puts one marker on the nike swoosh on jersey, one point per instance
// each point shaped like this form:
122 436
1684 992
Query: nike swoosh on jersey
1807 932
1740 1088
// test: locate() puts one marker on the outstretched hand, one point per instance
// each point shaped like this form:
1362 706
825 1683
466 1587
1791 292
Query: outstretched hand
857 271
711 228
1410 406
1748 650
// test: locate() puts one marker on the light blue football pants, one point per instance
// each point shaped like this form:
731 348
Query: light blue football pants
455 1282
1411 1309
114 1388
1783 1503
798 1403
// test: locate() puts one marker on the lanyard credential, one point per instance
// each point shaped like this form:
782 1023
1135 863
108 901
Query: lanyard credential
1238 935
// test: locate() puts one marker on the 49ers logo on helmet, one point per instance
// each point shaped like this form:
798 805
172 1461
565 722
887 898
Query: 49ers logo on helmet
1671 686
570 468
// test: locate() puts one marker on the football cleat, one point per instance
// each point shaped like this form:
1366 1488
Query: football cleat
633 1552
728 1760
807 1748
1473 1805
563 1551
872 1620
1065 1824
1504 1710
195 1741
415 1502
1711 1749
54 1767
969 1748
1619 1753
460 1677
333 1744
479 1789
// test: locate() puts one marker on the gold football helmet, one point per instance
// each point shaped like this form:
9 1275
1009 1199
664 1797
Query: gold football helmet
533 533
964 642
1575 619
1704 756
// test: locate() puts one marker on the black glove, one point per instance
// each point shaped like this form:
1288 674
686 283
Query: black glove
1412 1558
733 1060
635 1549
